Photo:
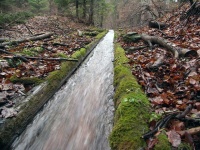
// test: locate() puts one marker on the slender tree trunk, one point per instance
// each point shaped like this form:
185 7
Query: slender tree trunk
101 21
91 15
77 14
50 6
84 9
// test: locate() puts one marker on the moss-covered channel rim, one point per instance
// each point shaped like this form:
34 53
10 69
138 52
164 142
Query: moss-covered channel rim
14 127
132 107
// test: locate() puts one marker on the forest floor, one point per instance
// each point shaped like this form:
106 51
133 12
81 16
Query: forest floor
26 64
171 84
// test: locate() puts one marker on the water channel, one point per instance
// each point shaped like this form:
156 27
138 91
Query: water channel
79 116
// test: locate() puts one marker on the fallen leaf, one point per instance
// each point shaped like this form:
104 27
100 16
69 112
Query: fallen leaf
174 138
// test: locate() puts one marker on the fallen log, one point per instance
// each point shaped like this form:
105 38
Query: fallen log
158 25
25 58
34 38
51 59
177 51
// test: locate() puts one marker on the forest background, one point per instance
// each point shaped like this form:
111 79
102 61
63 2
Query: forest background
101 13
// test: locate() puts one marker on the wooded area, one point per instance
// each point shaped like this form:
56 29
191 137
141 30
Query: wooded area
162 43
91 12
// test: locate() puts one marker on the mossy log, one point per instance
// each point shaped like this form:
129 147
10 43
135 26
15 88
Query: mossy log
177 51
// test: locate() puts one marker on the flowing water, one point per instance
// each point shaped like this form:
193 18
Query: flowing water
79 116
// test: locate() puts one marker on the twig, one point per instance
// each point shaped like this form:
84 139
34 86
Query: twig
162 123
185 112
191 131
28 29
51 59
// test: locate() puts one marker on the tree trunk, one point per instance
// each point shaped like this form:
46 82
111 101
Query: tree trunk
91 15
84 9
77 14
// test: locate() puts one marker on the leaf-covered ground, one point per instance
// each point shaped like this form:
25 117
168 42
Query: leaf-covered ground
68 36
174 86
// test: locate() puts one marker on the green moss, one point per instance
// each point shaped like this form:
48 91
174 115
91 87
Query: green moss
184 146
58 75
130 125
100 35
61 55
93 33
32 51
26 80
163 142
132 107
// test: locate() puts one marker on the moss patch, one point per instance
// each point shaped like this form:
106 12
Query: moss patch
132 107
26 80
163 142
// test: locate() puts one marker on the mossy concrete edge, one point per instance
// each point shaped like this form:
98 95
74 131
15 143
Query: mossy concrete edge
15 126
132 107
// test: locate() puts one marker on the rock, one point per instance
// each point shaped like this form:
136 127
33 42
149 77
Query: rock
80 33
49 48
198 52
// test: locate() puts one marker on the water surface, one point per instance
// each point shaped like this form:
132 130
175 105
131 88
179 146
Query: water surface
79 116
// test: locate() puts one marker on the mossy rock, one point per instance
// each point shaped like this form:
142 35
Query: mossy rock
132 107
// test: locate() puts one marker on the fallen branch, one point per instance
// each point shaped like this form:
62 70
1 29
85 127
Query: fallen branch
191 131
185 112
39 37
60 44
28 29
25 58
132 49
51 59
159 126
162 123
177 51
